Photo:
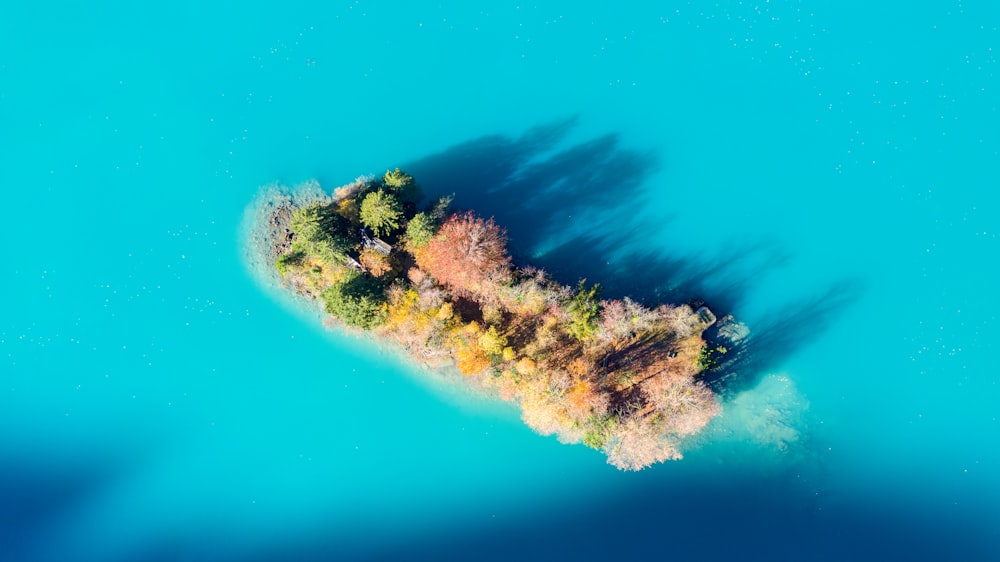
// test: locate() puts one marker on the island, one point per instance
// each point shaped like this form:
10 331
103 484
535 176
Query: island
614 375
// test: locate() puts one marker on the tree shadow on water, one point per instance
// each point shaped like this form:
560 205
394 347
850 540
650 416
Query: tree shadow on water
778 337
533 184
570 208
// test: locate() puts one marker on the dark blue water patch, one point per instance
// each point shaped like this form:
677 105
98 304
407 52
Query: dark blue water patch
33 496
726 516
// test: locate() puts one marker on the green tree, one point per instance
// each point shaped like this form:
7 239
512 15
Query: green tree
358 300
710 358
286 261
306 223
402 185
597 430
321 232
335 224
381 211
584 309
420 230
397 179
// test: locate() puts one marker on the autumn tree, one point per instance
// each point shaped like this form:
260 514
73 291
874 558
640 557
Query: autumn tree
468 254
624 319
636 442
492 342
375 262
684 404
381 211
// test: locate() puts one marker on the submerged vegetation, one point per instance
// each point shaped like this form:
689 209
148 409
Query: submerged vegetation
611 374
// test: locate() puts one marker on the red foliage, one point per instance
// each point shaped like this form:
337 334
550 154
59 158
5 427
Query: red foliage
468 255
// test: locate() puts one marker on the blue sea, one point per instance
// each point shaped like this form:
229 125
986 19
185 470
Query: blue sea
827 172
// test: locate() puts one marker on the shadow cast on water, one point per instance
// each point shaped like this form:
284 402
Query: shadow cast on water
533 184
780 335
570 208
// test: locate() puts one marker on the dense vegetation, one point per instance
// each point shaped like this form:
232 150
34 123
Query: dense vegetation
612 374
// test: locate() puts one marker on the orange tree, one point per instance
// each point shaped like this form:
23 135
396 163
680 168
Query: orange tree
468 255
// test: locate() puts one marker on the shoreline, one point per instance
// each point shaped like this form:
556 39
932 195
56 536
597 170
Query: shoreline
614 375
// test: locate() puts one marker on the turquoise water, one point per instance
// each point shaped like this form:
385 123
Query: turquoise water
826 172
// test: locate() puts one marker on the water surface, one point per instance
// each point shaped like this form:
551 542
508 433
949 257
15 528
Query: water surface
827 173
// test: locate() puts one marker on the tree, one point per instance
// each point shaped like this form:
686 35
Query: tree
305 223
321 232
624 319
381 211
358 300
468 254
635 443
710 358
584 310
439 209
598 429
396 179
375 262
492 342
420 230
286 261
401 184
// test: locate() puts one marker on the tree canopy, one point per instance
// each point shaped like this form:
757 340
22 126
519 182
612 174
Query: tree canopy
467 254
401 184
321 232
381 211
357 300
397 179
584 311
492 342
420 230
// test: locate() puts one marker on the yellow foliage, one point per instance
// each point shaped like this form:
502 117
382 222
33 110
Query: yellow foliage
579 367
579 397
550 322
446 311
492 314
471 360
492 342
348 208
404 310
509 354
327 274
526 365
